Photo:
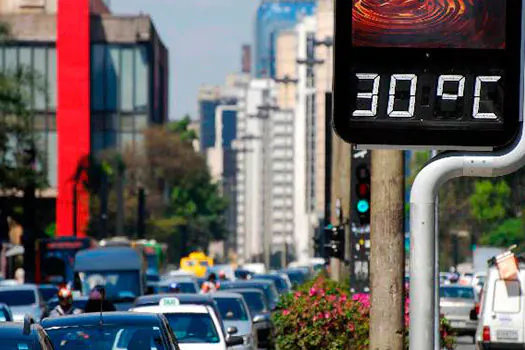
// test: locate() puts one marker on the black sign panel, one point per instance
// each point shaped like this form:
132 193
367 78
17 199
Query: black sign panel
427 72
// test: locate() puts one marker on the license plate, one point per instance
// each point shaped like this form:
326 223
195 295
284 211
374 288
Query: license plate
458 324
507 334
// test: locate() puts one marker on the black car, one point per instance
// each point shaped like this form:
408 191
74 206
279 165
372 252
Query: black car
184 299
280 283
112 330
268 288
262 317
26 335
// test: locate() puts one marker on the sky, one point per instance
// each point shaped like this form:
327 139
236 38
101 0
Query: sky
204 39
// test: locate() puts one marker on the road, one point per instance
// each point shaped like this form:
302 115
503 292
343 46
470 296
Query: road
465 343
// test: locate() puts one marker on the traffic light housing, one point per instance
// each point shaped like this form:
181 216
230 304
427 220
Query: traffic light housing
362 192
335 241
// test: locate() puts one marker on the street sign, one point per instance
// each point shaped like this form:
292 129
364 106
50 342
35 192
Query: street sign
439 74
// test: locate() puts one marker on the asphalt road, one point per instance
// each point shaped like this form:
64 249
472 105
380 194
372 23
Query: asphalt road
465 343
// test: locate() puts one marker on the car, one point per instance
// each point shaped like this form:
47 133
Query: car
48 291
237 318
5 313
501 314
186 284
79 302
457 304
111 331
242 274
196 326
26 335
183 299
465 279
227 269
296 276
267 287
24 299
478 281
261 315
280 283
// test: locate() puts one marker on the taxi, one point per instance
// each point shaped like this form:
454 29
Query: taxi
195 326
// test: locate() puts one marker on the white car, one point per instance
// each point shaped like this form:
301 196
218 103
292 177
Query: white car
196 327
478 281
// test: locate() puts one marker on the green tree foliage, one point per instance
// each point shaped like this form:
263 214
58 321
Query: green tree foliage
489 202
509 232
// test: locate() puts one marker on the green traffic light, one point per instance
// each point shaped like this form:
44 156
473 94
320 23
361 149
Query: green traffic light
363 206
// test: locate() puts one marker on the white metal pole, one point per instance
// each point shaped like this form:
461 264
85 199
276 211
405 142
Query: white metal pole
422 236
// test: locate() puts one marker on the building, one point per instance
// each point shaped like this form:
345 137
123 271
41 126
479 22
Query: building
208 100
105 78
274 16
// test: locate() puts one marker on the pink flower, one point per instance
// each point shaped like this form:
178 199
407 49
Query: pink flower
351 327
313 291
286 312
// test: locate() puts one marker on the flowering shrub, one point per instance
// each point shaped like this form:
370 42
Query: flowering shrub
322 315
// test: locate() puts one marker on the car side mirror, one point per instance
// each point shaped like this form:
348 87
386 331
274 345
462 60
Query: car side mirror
473 315
258 319
234 340
232 330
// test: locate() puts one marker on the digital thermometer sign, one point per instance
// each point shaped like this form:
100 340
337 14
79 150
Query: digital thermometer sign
428 72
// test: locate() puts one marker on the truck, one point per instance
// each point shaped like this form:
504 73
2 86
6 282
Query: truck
121 270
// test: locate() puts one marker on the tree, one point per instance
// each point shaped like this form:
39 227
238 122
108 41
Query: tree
490 202
509 232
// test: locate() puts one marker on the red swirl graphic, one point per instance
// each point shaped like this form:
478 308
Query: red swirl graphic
429 23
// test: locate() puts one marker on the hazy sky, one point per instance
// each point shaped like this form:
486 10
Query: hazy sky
204 39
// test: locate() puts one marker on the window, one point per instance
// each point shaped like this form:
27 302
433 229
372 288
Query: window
507 296
18 297
126 81
193 328
97 76
231 309
52 78
141 79
112 74
52 161
39 65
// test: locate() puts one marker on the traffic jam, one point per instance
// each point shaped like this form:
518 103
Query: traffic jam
120 294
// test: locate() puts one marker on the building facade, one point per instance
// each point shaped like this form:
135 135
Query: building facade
105 80
274 16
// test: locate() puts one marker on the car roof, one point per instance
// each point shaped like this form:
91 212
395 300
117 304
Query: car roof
266 276
171 280
179 309
126 258
108 318
26 286
456 286
247 283
221 294
184 298
245 290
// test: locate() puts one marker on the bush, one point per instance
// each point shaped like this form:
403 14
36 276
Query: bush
322 315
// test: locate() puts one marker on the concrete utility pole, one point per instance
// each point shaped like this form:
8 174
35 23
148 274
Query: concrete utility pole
387 258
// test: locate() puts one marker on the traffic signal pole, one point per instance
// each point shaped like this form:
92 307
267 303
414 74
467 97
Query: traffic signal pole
422 223
387 251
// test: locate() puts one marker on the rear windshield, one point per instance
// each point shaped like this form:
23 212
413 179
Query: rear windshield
506 296
231 309
457 292
17 297
255 301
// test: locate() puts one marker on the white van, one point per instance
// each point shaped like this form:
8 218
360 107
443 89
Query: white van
502 313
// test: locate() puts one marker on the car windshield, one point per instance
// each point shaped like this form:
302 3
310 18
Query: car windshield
231 309
48 292
457 292
255 301
185 287
193 328
297 278
120 285
106 338
17 297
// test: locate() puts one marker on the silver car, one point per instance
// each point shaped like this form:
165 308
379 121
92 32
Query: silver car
457 303
237 318
23 299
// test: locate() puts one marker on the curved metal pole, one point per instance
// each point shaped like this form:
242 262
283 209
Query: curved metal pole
422 223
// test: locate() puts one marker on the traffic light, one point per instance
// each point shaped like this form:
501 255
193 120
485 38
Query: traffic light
335 242
362 191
